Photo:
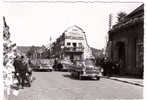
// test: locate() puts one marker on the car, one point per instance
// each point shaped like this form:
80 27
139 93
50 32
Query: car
42 65
46 67
62 65
86 68
66 65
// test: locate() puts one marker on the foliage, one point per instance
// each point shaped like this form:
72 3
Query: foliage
121 16
31 52
9 53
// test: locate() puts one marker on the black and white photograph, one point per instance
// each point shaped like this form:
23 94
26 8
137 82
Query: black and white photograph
72 50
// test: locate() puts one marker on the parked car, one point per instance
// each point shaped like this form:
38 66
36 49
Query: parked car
46 67
62 65
35 64
86 68
43 65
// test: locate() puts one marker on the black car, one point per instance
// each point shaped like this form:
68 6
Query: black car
62 65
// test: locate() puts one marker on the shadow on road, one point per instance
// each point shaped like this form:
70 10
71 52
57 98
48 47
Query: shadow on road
35 70
75 78
129 77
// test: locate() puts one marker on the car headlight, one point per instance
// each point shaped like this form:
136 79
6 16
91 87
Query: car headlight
17 74
83 71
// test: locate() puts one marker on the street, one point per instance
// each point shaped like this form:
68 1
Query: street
60 86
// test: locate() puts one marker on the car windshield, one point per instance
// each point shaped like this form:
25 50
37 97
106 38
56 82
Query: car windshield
66 61
45 62
89 63
79 63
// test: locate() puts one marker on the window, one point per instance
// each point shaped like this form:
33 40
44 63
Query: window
80 44
74 44
68 43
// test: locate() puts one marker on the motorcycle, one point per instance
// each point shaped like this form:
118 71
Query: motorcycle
28 79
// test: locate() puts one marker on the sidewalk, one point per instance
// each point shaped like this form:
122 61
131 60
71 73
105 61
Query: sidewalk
134 81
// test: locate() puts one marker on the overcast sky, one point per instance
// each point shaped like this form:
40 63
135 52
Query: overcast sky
35 23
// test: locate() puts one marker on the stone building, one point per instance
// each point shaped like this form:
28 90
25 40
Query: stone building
72 44
126 40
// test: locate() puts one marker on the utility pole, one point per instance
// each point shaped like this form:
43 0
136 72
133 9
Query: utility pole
109 43
110 21
50 43
107 37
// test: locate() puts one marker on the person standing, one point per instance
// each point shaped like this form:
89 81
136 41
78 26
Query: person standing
20 70
17 65
24 71
121 65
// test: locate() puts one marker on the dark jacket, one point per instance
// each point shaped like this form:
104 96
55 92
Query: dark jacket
19 65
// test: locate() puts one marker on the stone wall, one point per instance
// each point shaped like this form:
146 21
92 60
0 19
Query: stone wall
132 37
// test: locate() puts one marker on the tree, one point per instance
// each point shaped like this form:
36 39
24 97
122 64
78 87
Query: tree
31 52
46 53
9 54
121 16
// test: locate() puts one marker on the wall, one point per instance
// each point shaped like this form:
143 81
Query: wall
129 36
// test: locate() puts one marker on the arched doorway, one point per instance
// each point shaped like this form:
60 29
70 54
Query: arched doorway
120 53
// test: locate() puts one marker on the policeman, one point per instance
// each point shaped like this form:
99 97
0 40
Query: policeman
24 72
17 64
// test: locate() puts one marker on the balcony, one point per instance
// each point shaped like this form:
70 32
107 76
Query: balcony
73 49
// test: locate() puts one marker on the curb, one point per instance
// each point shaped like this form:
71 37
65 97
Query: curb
124 81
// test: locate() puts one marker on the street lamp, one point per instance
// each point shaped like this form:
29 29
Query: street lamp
62 47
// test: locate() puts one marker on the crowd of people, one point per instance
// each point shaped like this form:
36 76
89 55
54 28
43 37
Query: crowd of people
17 73
110 67
23 71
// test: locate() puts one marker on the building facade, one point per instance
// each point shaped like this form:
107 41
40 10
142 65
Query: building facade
72 45
126 40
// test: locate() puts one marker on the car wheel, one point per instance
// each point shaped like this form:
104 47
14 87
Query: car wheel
79 77
49 70
56 69
72 75
98 78
29 85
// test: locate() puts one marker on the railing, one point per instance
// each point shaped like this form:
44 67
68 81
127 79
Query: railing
74 49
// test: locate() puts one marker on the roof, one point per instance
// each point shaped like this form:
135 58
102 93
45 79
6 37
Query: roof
138 9
74 30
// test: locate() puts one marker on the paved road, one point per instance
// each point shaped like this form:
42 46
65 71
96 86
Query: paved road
60 86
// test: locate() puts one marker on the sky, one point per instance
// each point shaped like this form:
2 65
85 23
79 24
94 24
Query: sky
34 23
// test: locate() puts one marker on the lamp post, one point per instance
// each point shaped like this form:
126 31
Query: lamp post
62 50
